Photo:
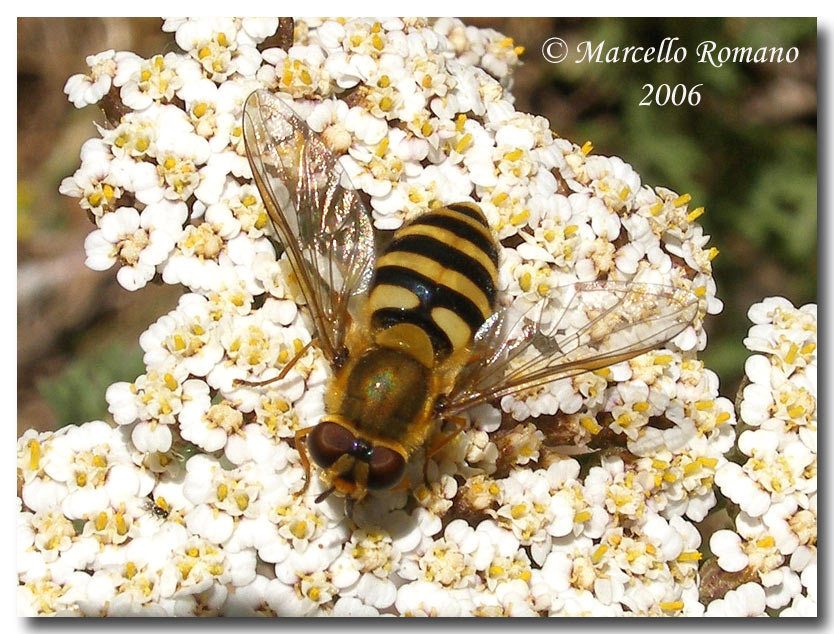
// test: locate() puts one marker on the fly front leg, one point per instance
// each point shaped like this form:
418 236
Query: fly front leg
301 448
284 371
442 440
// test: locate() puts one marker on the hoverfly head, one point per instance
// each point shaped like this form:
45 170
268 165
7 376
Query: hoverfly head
354 464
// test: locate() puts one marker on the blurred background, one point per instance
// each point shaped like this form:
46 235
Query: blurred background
747 153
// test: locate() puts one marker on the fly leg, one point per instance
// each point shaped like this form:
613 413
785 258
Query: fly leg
441 441
301 448
284 371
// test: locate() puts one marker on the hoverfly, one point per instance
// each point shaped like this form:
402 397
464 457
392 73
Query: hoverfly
414 335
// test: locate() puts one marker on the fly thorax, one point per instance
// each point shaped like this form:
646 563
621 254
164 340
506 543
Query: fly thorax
386 390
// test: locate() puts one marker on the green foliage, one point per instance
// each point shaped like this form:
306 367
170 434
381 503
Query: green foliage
75 395
755 175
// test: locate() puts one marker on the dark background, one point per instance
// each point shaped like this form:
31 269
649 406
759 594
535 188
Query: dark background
747 153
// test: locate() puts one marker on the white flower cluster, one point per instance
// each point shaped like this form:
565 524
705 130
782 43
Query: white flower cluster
190 503
775 483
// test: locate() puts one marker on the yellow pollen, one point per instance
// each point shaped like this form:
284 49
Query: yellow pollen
130 570
700 291
426 129
520 217
426 81
299 529
708 462
691 468
651 549
682 200
242 501
796 411
692 555
193 551
586 148
790 357
599 553
582 516
542 289
221 39
121 524
460 122
298 345
81 479
145 75
670 477
525 281
170 381
590 424
305 77
766 542
723 417
624 193
494 489
34 454
385 103
656 208
641 407
382 148
376 27
179 342
101 521
663 359
518 511
694 214
314 594
216 570
376 40
185 569
200 109
704 405
570 230
671 606
660 464
169 163
283 356
519 50
496 571
615 539
808 348
222 492
464 142
514 155
712 254
500 198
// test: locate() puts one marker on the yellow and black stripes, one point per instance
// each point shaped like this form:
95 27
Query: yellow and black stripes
439 273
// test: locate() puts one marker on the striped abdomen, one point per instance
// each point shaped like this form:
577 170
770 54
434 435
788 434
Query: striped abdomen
439 274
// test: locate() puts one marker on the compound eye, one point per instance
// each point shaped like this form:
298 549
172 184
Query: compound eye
328 442
386 468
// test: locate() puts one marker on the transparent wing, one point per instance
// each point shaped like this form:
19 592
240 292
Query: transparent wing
319 217
579 328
